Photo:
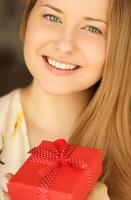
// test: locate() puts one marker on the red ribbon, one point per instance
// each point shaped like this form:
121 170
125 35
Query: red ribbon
55 160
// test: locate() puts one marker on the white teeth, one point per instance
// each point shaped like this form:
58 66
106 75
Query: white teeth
60 65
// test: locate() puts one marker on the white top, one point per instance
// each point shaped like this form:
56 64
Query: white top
14 143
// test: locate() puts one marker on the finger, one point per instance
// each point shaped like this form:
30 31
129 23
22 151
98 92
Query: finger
6 195
8 176
102 187
99 192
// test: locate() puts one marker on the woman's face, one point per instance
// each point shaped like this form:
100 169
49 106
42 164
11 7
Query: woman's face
68 32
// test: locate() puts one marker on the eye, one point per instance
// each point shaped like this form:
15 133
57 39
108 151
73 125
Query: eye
93 29
52 18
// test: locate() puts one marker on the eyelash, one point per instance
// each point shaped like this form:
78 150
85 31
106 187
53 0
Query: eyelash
97 31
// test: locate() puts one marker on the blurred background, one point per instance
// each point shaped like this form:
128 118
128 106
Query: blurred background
13 72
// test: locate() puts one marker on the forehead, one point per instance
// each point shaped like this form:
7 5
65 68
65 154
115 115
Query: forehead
97 8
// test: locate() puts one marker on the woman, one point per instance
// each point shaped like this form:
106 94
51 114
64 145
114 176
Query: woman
79 57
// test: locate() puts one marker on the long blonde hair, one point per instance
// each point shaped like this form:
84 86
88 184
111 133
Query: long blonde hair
105 122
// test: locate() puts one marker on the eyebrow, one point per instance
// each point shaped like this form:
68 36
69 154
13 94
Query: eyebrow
86 18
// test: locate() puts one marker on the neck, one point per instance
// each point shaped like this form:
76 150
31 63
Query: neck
55 115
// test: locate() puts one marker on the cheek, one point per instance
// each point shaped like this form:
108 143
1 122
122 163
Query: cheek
38 34
94 50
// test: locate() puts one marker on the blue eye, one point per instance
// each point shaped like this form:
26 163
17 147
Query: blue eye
93 29
52 18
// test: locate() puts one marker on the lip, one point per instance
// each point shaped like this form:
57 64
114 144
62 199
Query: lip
58 72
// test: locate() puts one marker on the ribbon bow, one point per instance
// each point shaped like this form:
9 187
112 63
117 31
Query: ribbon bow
55 160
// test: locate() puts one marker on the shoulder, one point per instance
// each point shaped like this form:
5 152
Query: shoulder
7 101
8 96
8 105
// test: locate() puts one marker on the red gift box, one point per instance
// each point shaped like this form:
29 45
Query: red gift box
57 171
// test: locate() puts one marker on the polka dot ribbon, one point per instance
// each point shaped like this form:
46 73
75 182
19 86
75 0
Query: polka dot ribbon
53 161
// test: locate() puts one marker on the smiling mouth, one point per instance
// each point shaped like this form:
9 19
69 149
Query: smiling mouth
59 67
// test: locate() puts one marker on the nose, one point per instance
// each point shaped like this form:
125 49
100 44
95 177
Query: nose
66 42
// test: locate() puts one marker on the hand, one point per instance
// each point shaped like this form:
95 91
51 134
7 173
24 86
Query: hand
8 177
99 192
